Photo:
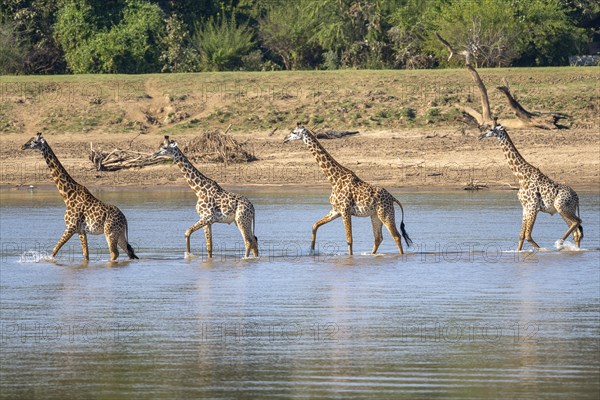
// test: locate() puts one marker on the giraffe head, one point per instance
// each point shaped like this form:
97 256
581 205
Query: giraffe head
35 143
300 133
167 148
496 131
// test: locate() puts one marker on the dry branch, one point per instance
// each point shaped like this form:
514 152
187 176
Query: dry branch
533 119
213 146
118 159
485 116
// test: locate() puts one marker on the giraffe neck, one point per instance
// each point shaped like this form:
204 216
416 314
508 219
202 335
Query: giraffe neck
195 179
331 168
65 184
516 162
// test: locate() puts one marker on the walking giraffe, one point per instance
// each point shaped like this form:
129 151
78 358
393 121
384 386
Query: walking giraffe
214 205
537 192
85 213
351 196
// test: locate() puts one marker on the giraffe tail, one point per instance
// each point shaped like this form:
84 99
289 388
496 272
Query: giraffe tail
407 238
130 252
580 228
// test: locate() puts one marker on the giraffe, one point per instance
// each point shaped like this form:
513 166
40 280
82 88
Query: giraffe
351 196
537 192
85 213
214 205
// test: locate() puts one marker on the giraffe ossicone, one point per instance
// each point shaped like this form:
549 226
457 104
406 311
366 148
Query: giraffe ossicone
351 196
214 205
85 213
537 192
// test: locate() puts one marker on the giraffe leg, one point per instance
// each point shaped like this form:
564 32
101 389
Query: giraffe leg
347 218
84 245
522 234
377 234
67 234
208 235
387 216
249 239
574 223
112 241
529 228
328 218
200 224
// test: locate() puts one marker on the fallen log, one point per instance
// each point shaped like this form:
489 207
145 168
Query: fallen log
331 134
533 119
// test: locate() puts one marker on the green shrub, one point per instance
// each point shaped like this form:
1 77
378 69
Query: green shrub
222 44
131 46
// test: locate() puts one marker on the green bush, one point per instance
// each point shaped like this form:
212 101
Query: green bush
12 50
178 55
132 46
222 44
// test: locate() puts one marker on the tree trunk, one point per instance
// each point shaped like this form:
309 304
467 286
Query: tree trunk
532 119
485 117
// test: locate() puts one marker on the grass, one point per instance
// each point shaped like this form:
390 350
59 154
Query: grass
261 101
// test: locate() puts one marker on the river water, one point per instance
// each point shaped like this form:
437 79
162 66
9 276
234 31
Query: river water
461 315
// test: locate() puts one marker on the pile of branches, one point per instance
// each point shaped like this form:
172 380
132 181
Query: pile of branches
121 159
216 147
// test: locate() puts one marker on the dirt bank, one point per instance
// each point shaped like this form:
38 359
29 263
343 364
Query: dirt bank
417 158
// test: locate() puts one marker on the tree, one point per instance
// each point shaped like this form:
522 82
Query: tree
412 21
222 43
285 32
549 34
132 45
178 54
488 28
12 50
32 22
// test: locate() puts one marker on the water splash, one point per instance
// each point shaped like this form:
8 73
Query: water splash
566 245
33 256
368 253
188 256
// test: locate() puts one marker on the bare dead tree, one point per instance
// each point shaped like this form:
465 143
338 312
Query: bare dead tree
483 118
548 120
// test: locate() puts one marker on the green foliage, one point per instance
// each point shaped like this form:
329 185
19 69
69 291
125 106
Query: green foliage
33 22
222 43
134 45
178 54
331 61
137 36
549 36
12 50
412 23
285 32
488 28
538 32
